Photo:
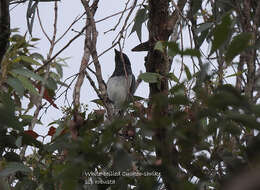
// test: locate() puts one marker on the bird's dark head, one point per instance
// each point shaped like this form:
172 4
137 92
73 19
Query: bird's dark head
119 67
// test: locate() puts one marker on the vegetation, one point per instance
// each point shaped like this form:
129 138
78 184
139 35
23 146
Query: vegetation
199 128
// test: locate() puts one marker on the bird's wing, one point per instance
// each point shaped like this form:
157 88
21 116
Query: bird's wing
132 86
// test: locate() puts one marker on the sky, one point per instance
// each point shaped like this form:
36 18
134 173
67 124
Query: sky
67 12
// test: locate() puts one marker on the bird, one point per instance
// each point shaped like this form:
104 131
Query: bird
121 84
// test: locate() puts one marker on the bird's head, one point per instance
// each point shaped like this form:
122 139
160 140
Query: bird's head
120 63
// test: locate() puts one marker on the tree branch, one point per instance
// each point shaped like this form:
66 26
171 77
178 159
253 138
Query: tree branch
161 25
4 27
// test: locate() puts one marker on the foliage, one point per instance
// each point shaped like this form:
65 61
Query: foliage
20 80
211 125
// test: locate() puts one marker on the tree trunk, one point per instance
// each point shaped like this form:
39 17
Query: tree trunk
4 27
160 26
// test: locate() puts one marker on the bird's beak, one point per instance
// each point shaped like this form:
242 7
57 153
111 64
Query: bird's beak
116 52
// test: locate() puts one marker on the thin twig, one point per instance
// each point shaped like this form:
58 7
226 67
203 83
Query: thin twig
46 75
179 12
120 18
92 83
89 48
42 28
62 49
78 35
95 57
115 14
74 76
120 34
17 2
102 93
75 21
182 62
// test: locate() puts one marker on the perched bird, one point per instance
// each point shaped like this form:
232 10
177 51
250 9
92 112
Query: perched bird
121 85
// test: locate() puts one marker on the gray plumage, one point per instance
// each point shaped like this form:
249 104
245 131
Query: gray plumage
121 84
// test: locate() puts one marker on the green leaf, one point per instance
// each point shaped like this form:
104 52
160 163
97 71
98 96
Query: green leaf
239 73
195 7
27 73
140 18
237 45
58 132
191 52
173 48
226 96
28 85
58 144
178 89
30 60
58 68
17 37
35 39
14 167
27 119
7 113
202 27
179 100
150 77
54 76
248 120
202 37
221 33
26 59
13 30
12 157
63 84
28 139
122 160
37 56
187 71
16 84
51 84
30 15
28 185
172 77
98 102
18 141
226 5
159 46
203 30
138 98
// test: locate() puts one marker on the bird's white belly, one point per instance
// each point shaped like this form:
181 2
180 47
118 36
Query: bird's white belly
118 89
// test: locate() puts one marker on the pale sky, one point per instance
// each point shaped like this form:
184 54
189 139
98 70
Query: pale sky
67 12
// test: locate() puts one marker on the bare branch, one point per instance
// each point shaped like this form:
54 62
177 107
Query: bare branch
42 28
120 34
62 49
110 16
92 83
81 75
17 2
46 75
257 16
175 15
75 21
85 60
4 28
119 20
